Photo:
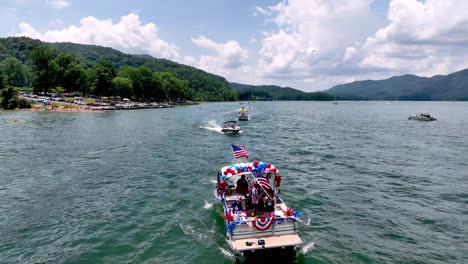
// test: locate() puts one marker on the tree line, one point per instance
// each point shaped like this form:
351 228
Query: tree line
48 70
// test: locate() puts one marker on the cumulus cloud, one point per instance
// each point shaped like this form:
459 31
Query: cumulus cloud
311 36
128 35
424 38
325 42
226 56
261 11
58 4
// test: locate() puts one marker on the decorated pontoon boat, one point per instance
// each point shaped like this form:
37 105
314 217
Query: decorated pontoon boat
256 217
230 127
422 117
243 115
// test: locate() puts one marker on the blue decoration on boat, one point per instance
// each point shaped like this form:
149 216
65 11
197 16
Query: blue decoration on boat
230 227
297 214
279 221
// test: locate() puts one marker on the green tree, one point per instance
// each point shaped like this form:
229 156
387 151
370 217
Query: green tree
122 86
147 81
174 88
69 73
105 72
43 72
58 90
14 72
137 79
8 98
158 91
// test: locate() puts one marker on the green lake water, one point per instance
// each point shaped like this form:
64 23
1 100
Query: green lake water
137 186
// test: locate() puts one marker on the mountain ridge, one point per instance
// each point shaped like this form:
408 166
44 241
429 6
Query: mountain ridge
453 86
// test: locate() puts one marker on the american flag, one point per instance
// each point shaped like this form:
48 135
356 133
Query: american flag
239 151
263 182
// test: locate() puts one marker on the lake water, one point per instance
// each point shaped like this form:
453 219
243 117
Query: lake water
136 186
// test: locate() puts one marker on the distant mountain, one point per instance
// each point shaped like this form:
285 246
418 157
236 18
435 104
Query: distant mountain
273 92
207 85
407 87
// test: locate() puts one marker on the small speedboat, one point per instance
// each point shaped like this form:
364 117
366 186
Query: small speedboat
230 127
422 117
243 115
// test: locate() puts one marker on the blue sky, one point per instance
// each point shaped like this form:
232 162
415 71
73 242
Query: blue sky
307 44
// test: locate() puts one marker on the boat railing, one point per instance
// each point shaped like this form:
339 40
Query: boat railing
261 227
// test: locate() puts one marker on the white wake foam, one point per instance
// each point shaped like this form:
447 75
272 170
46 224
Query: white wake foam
207 205
213 126
307 247
226 253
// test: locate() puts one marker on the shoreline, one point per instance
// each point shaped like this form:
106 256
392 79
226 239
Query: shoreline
58 106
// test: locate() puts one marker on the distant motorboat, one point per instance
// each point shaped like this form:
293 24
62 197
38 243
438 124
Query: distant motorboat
422 117
243 115
230 127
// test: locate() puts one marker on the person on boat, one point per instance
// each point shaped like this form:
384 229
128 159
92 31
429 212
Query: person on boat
269 202
236 206
222 186
277 182
254 195
254 199
242 185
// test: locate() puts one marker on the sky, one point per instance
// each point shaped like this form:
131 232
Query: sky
309 45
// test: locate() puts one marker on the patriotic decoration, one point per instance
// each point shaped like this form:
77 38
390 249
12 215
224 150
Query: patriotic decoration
256 173
297 214
289 212
263 182
260 167
239 151
230 227
279 221
229 216
263 223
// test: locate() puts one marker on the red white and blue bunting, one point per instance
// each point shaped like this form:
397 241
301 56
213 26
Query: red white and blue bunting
262 167
263 223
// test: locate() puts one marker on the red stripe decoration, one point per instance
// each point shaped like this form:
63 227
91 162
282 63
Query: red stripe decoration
239 151
263 223
263 182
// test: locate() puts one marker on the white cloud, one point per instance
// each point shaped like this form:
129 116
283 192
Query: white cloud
261 11
312 36
128 35
229 55
320 43
58 4
424 38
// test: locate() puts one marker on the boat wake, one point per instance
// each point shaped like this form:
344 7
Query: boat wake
226 253
213 126
207 205
195 229
307 247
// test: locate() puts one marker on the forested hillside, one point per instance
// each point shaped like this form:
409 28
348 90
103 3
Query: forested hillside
90 69
453 86
273 92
